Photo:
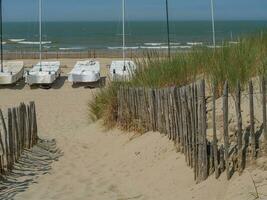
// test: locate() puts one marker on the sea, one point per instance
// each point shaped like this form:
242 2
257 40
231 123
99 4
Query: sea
107 35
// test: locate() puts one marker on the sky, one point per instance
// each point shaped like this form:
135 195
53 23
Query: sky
110 10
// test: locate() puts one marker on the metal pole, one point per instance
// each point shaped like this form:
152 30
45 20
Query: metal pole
168 28
40 33
123 30
1 32
213 23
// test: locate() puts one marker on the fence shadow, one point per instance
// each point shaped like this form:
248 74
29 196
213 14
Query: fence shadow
32 164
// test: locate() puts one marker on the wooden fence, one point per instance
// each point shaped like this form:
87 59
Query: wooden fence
18 131
94 53
181 114
71 54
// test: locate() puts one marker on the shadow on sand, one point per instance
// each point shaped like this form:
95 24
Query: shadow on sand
16 86
58 84
33 163
99 84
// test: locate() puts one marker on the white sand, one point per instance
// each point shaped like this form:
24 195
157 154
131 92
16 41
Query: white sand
107 165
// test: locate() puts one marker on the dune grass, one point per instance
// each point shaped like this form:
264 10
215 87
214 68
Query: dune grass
104 105
232 62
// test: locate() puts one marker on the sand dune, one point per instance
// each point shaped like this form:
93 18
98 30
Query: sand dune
106 165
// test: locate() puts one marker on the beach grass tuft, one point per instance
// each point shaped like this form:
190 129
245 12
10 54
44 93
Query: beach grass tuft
104 105
232 62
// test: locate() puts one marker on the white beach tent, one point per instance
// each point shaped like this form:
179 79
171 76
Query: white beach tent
44 73
122 70
87 71
11 72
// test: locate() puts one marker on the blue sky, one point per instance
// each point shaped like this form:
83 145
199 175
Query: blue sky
91 10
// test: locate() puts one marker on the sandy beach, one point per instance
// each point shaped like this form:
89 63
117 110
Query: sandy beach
103 164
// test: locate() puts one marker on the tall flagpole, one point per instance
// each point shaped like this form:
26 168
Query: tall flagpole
1 32
213 23
123 30
40 33
168 28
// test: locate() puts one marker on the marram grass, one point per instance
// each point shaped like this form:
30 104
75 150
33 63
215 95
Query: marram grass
232 62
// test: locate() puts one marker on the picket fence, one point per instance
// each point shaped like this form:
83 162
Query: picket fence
18 131
181 114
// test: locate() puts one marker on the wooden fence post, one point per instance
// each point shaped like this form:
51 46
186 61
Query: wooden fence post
160 111
239 128
215 140
190 125
195 128
10 139
204 130
185 122
225 129
199 137
174 114
222 160
252 122
264 113
2 150
180 106
7 150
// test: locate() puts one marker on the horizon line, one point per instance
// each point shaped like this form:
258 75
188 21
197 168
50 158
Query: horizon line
153 20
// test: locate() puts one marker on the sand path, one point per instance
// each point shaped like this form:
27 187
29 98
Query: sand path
107 165
97 164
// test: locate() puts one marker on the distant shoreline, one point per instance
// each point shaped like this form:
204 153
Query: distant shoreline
107 36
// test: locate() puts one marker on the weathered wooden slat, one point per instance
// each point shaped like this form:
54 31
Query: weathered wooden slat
175 115
211 167
239 128
10 140
222 160
196 133
6 142
194 130
35 124
189 125
204 130
171 115
150 108
180 122
184 122
2 152
252 122
215 140
263 83
163 111
167 112
200 136
225 129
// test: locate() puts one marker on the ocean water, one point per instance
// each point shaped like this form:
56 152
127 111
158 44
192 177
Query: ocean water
77 36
